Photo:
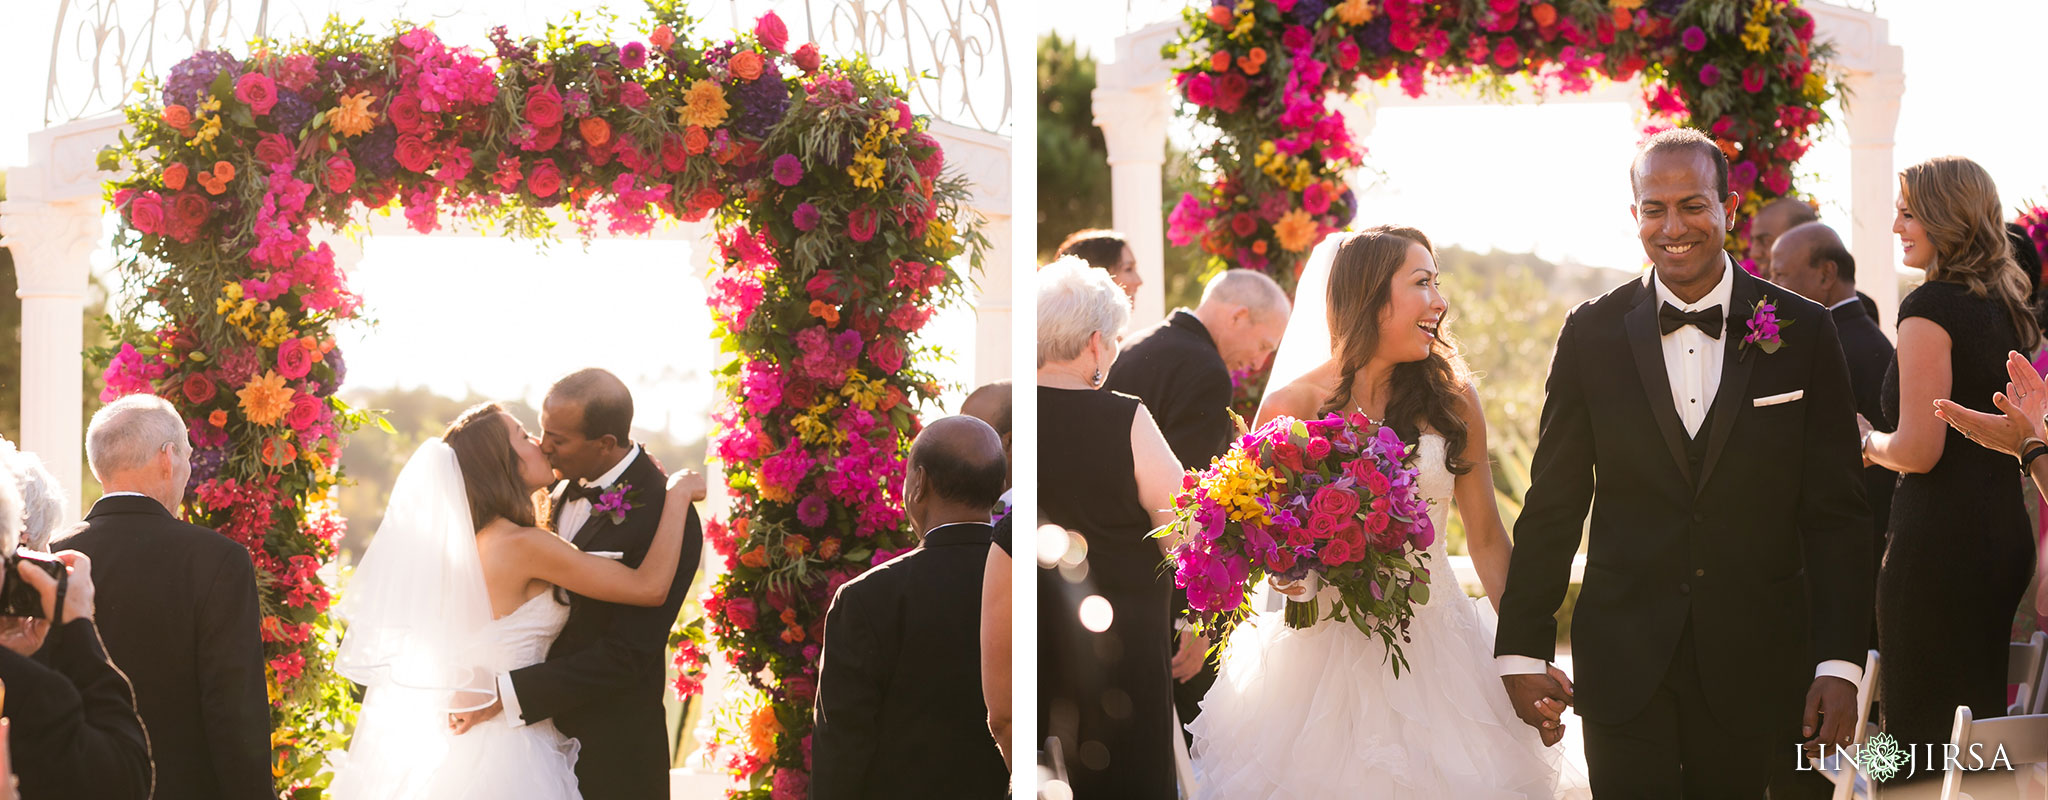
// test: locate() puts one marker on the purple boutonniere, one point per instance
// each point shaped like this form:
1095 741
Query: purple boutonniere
1764 328
616 502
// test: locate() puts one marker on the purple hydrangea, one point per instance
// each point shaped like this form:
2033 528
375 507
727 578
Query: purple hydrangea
192 78
206 463
761 102
291 113
1373 37
339 366
372 151
1307 12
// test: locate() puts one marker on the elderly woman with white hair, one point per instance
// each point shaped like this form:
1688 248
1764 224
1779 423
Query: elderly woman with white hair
1107 476
42 498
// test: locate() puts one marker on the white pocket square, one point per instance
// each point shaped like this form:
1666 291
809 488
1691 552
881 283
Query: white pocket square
611 554
1778 399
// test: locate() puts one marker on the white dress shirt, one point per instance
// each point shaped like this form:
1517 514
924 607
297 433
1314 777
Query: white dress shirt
1692 364
567 523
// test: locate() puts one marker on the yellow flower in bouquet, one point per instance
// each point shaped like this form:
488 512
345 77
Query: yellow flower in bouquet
266 399
704 104
1238 483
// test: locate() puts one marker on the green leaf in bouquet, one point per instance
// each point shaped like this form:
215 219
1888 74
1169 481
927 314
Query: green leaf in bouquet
1420 592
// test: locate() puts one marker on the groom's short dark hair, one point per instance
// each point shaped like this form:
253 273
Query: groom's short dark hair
607 405
1683 139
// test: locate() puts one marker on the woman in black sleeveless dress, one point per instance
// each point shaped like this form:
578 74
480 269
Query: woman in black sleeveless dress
1959 557
1106 693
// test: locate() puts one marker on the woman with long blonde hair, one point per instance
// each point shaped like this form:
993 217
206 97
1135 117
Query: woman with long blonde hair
1959 555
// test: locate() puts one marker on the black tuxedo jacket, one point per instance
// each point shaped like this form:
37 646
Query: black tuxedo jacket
602 682
1176 369
74 730
899 710
176 605
1869 354
1765 551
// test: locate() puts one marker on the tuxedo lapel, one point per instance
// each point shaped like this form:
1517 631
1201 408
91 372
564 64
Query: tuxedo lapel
1735 368
1647 345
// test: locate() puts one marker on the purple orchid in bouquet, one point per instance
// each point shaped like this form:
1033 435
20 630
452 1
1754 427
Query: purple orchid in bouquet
1334 497
615 503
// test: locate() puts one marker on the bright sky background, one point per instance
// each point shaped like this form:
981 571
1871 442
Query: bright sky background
1552 179
460 313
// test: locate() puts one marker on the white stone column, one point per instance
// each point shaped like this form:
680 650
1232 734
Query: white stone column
1871 116
1133 122
52 244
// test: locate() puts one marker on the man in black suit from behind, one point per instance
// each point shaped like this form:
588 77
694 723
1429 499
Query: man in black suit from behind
602 680
1181 369
1811 261
900 711
177 609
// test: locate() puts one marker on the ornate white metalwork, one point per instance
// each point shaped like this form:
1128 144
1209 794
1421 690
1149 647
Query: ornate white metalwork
954 52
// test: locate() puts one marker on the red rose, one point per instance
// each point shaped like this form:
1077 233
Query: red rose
544 107
861 223
190 210
278 452
673 156
1337 552
807 58
274 149
1244 225
146 212
175 175
545 138
305 411
1282 560
257 91
695 140
341 174
545 179
1323 526
293 359
413 153
771 32
707 198
1288 455
740 611
406 115
198 388
1334 502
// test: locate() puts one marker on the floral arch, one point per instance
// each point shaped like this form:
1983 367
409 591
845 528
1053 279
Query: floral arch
1754 74
840 226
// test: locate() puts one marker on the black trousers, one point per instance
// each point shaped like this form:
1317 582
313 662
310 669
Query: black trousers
1678 747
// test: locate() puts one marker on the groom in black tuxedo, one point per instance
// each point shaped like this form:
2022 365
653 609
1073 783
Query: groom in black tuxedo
602 681
900 711
1726 597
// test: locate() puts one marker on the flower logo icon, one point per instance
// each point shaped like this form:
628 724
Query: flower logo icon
1880 757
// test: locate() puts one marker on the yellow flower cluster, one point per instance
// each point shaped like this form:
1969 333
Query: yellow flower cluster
1816 87
868 167
939 234
1625 5
1756 33
1293 173
1245 19
267 328
210 129
1238 484
861 391
812 428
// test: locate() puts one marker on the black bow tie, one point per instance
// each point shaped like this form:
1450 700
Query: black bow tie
1708 320
579 490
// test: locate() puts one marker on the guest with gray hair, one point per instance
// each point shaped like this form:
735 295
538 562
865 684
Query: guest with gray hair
1108 476
178 608
43 510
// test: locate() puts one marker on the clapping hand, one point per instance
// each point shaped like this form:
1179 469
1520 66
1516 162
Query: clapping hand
2023 402
687 485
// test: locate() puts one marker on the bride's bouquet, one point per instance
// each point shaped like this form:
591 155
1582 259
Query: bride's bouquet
1334 498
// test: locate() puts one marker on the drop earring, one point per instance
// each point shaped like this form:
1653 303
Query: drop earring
1095 381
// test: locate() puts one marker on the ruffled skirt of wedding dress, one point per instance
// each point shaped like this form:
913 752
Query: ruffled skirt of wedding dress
394 757
1317 712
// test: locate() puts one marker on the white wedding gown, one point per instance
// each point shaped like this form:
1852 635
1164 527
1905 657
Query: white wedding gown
1317 712
421 638
494 760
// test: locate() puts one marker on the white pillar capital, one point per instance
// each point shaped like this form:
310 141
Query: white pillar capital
1133 121
52 244
1871 109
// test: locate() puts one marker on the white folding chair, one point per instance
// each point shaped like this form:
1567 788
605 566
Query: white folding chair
2023 661
2024 740
1847 777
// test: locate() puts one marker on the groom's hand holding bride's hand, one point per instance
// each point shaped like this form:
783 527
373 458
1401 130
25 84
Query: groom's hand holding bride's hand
1830 716
1539 699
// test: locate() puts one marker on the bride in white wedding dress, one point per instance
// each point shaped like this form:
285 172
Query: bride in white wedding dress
457 587
1317 712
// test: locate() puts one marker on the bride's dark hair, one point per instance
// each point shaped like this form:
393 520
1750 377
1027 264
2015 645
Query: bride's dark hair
482 441
1430 390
